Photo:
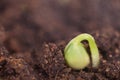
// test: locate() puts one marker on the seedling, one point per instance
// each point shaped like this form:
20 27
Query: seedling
76 55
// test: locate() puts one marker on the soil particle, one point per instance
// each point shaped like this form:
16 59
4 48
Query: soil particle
12 68
52 60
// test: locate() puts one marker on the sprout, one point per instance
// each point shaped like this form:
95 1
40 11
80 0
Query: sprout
76 55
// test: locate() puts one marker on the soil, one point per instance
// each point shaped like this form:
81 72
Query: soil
34 33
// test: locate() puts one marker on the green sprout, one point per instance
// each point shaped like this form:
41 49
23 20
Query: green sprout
76 55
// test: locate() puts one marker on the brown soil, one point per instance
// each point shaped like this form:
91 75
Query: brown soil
34 33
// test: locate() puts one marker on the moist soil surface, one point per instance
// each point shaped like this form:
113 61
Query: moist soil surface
33 35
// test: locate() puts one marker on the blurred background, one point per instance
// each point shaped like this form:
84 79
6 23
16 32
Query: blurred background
25 23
